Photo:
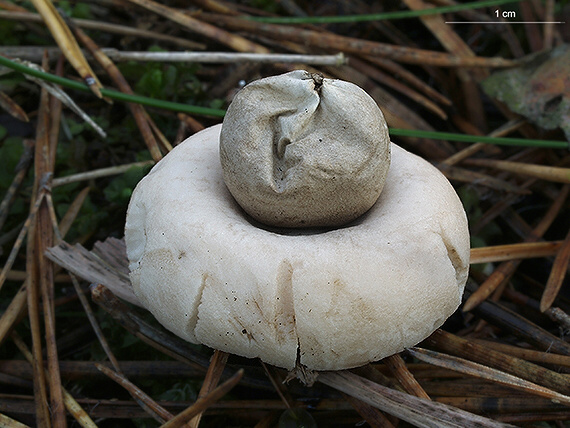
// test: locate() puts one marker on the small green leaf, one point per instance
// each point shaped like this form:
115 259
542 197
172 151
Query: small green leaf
180 392
537 89
121 188
82 11
296 417
151 82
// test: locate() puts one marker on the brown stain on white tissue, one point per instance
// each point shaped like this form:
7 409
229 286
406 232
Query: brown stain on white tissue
280 323
285 317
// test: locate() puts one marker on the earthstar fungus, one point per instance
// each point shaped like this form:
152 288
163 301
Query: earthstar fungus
234 264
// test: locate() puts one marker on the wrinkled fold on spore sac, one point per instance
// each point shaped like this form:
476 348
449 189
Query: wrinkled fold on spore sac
300 150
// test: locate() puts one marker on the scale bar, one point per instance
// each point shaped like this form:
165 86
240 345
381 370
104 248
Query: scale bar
505 22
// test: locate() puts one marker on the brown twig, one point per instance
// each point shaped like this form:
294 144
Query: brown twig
21 171
397 367
14 313
235 42
452 344
454 44
515 323
98 173
169 345
95 324
26 16
504 272
418 411
72 212
523 250
213 376
467 176
70 403
391 82
402 73
8 422
9 105
44 276
484 372
147 403
62 35
549 173
527 354
28 224
557 275
40 383
137 110
354 46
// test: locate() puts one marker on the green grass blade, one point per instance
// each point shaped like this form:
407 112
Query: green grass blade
205 111
502 141
112 94
378 16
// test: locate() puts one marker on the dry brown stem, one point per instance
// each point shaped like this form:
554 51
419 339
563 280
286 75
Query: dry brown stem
213 376
62 35
484 372
147 403
70 403
418 411
544 172
504 272
24 15
557 274
137 110
9 105
522 250
235 42
355 46
398 368
451 344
